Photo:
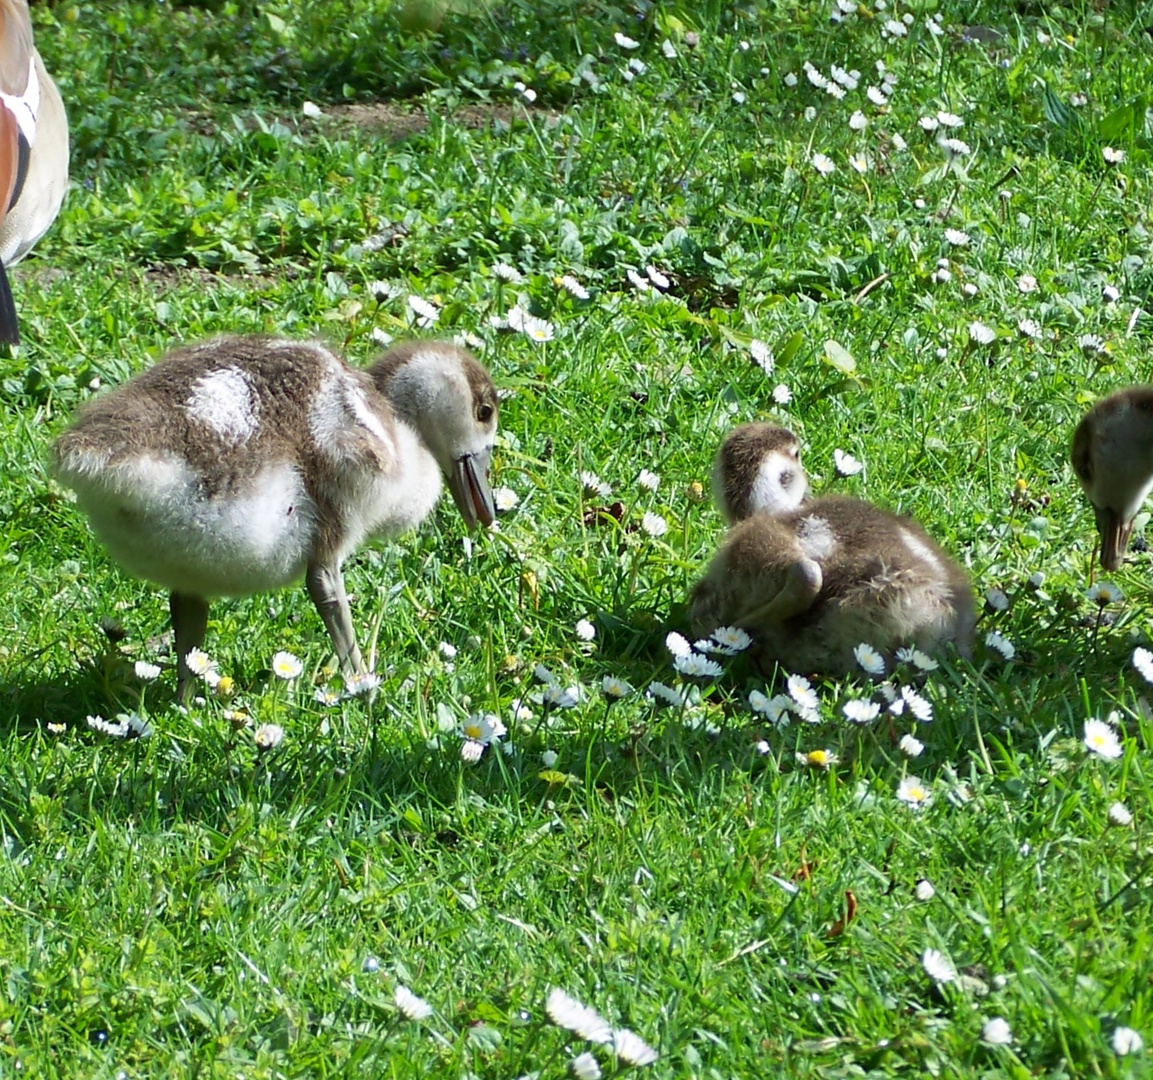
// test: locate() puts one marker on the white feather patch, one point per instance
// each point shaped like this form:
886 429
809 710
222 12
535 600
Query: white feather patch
816 538
223 400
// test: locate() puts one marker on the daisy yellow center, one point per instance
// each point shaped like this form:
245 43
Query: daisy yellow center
917 794
472 731
819 757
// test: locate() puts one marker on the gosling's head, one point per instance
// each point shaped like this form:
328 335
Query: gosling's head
450 399
1113 459
758 468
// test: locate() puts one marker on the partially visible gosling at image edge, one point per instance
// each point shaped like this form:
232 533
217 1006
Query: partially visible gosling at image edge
1113 458
811 579
245 463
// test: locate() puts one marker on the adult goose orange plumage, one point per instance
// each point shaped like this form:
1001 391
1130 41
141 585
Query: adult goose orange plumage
33 151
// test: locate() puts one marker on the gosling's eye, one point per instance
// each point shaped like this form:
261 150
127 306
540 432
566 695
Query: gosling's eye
786 478
484 412
794 452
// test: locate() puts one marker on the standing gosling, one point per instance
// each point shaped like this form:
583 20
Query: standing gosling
240 464
1113 459
810 579
33 150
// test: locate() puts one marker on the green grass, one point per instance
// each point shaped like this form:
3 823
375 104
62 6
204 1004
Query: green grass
184 905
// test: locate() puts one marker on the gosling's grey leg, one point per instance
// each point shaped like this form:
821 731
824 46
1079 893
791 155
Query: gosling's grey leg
189 622
326 587
802 584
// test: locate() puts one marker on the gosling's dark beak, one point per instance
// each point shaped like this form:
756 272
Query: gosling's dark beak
470 491
1115 535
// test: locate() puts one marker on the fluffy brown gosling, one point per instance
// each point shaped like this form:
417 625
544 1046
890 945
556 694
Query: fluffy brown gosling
1113 459
811 579
239 465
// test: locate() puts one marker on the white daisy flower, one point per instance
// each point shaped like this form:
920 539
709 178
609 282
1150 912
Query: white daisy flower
911 746
548 758
358 685
697 665
938 966
859 163
980 334
568 1013
998 642
311 110
585 631
1027 283
1030 328
573 287
858 711
957 238
957 147
732 637
538 330
782 395
762 355
286 666
877 96
677 644
639 283
632 1049
996 1032
649 480
1120 815
917 658
871 661
917 705
929 123
654 524
802 692
145 671
775 709
1126 1041
268 736
949 120
326 696
1103 593
1111 156
471 751
626 42
924 890
1143 662
818 759
665 695
823 164
670 50
1091 344
913 791
117 730
585 1067
615 688
478 728
561 697
655 275
858 121
198 663
504 272
846 464
1110 294
411 1007
426 312
1101 739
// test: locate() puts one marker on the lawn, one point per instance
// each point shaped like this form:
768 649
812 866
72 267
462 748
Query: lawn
917 235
